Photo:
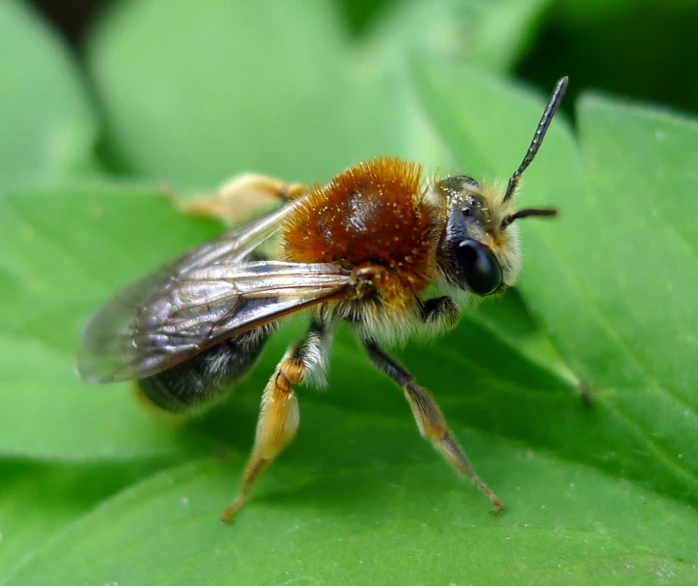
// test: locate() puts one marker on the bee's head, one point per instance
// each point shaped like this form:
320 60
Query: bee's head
481 244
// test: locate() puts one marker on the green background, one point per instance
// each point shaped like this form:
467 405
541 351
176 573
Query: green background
106 107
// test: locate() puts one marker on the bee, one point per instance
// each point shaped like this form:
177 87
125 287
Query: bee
362 249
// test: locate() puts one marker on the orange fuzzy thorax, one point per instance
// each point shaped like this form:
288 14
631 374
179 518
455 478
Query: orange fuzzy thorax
373 213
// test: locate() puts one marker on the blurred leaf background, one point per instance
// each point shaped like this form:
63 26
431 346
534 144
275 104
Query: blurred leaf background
106 106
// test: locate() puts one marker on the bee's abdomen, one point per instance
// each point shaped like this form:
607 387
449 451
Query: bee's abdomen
206 376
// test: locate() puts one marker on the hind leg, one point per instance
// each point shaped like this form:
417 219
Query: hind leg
242 197
279 414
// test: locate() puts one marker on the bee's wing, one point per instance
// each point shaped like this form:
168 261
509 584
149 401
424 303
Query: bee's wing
198 300
233 245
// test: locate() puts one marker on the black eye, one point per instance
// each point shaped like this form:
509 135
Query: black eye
482 272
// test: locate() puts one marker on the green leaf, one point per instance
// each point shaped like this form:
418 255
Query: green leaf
359 493
489 34
613 281
64 251
38 500
48 127
354 525
272 86
631 334
594 495
505 31
260 81
581 10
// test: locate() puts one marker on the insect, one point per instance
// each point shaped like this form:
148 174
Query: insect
362 249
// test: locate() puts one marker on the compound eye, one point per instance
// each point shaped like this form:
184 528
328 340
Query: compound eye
481 269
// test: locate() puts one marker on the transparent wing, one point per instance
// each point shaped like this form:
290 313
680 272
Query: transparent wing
233 245
198 300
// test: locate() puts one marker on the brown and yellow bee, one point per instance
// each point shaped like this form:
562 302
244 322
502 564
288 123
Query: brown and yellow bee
362 249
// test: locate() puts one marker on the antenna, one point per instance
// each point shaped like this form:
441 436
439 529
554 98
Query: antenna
545 120
527 213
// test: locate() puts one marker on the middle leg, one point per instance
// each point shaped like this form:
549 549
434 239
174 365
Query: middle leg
430 421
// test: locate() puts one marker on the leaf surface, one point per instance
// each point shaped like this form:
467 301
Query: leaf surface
48 124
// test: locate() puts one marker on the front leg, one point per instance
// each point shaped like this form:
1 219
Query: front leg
439 314
430 420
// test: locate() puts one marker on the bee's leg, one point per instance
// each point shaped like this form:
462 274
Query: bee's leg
430 420
279 414
440 313
241 197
